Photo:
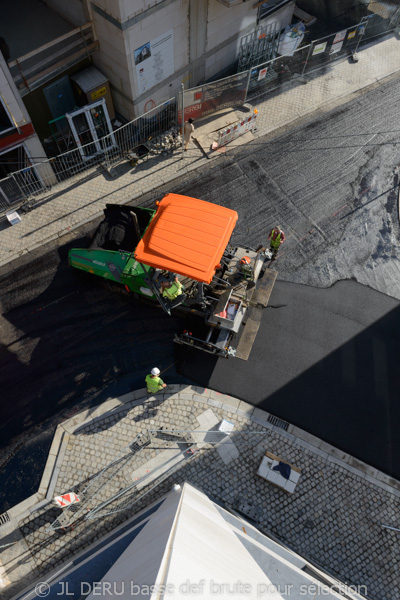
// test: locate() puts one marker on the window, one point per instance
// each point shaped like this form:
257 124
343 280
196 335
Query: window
269 6
5 121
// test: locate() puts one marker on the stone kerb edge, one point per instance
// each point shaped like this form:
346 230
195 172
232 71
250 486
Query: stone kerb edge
60 442
198 394
58 447
350 463
42 496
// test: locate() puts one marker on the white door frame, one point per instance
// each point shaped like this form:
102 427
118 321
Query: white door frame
86 110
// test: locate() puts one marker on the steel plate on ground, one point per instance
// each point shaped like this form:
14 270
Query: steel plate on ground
264 287
249 334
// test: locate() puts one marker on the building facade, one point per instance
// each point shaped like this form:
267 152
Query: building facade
89 66
147 49
20 146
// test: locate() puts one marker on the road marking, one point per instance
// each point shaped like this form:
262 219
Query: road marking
54 302
366 190
339 209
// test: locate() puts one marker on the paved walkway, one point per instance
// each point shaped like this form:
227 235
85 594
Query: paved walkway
78 202
334 517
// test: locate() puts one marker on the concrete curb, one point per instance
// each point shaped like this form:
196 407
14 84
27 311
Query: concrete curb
228 404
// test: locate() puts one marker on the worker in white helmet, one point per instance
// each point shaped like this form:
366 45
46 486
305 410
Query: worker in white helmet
154 383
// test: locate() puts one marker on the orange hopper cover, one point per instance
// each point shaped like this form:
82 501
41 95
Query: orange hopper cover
187 236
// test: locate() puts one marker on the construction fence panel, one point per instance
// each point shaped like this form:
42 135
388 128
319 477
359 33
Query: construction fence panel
216 95
271 75
259 46
142 130
386 17
18 186
336 46
10 193
268 76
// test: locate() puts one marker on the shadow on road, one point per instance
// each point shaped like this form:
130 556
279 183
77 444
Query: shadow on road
68 343
326 361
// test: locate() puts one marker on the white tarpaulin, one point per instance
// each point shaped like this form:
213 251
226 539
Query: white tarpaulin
290 39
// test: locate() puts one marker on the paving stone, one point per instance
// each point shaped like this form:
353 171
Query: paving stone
334 518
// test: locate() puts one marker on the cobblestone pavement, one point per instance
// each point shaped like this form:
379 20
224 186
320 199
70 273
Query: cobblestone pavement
333 519
80 200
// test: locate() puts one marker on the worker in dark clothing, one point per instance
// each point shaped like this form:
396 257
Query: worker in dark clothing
276 237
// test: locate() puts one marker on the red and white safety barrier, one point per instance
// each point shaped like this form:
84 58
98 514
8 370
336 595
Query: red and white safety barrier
66 499
234 131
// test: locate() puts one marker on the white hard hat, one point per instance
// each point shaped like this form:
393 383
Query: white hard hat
155 371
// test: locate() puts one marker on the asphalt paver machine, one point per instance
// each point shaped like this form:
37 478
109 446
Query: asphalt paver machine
224 288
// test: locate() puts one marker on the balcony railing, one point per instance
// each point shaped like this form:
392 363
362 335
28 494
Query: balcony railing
42 64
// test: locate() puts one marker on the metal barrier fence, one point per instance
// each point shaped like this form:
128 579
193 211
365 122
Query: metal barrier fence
236 130
386 19
41 177
272 74
308 59
213 96
335 46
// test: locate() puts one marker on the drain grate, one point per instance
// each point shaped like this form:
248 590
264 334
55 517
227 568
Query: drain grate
4 518
249 510
278 422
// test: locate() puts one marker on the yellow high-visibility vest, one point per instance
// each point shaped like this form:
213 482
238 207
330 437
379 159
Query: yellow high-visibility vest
174 291
154 384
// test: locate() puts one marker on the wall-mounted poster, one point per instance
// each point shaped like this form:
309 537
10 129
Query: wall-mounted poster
154 61
142 53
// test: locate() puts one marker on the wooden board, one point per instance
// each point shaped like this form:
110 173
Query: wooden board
293 480
279 459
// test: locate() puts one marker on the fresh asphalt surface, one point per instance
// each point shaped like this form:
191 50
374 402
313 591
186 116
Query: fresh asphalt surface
324 359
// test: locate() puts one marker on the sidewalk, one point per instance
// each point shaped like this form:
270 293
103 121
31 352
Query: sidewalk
334 517
74 204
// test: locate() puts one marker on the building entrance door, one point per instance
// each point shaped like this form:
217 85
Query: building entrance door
92 129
